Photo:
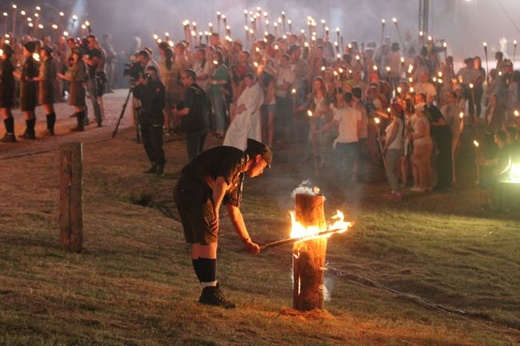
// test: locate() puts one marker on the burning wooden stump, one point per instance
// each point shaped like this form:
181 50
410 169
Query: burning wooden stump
309 255
309 235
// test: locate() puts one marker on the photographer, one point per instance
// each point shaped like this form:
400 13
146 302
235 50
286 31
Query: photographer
150 92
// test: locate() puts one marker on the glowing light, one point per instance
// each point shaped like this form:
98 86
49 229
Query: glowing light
339 225
461 115
377 121
516 113
293 91
476 143
36 56
1 51
309 113
514 174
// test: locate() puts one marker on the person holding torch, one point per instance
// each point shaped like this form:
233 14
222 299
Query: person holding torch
214 178
28 90
7 88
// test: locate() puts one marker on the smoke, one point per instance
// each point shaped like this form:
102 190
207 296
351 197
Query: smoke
306 188
464 24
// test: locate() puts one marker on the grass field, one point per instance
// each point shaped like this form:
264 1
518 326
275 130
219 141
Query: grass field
430 270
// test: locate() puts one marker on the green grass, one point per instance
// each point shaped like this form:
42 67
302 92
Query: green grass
430 270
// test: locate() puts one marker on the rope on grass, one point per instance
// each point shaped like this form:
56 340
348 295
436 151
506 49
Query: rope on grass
473 317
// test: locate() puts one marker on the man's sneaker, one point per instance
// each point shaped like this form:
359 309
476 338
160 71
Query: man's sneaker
393 196
27 135
9 138
213 296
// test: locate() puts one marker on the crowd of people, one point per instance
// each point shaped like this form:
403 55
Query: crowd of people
41 73
399 103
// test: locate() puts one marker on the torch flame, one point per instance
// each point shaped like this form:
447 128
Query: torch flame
475 143
338 226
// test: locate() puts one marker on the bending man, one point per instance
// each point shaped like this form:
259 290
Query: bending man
213 178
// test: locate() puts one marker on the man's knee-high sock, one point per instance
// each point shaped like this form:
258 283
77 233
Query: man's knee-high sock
208 271
9 125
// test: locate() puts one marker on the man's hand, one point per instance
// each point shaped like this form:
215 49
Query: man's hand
251 247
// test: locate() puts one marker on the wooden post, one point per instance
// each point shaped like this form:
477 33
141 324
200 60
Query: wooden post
309 256
71 196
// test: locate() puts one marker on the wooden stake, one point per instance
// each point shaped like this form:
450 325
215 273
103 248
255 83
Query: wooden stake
309 256
71 196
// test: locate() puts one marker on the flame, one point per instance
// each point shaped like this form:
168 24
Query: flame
475 143
339 225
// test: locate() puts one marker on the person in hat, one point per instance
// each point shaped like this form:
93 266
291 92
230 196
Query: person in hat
7 87
212 178
46 79
28 90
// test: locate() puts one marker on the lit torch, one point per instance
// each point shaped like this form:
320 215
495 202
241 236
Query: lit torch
514 50
486 55
302 233
477 156
383 22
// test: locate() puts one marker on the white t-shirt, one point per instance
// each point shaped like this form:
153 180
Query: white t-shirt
348 119
397 143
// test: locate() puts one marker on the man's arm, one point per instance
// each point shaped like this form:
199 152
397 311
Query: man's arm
240 228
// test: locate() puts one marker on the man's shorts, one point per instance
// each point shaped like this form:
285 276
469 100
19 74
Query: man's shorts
196 210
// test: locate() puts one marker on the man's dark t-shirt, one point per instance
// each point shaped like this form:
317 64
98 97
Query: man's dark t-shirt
221 161
195 100
90 55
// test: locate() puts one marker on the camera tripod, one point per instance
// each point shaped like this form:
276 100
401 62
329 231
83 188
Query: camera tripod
136 111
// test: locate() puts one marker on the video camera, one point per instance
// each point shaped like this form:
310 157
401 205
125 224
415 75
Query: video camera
133 70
